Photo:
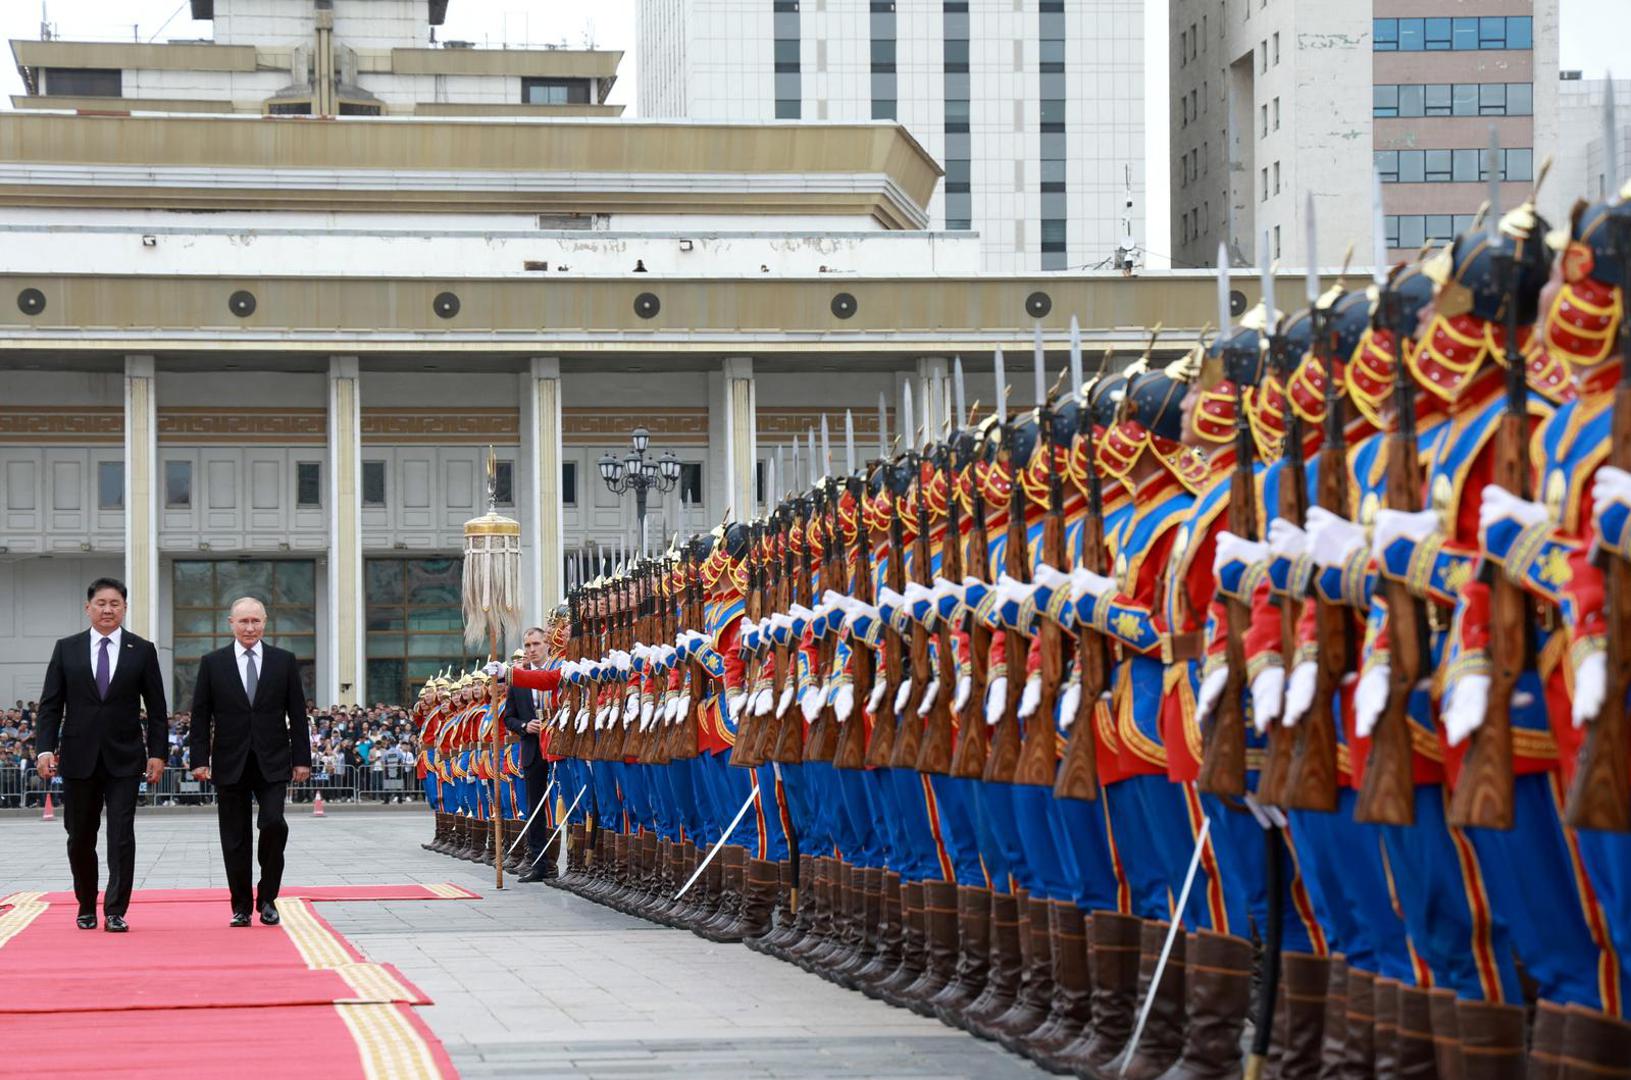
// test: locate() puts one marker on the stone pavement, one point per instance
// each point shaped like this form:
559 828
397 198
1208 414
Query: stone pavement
535 982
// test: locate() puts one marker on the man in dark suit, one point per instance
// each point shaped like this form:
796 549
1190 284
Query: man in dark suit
250 735
523 714
91 730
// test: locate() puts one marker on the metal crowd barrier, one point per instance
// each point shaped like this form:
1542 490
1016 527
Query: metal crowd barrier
22 788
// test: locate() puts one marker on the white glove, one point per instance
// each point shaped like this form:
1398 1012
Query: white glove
1286 540
786 699
901 694
1268 695
929 694
1030 697
631 707
648 710
1332 539
1392 525
1232 548
1612 486
965 686
1464 711
671 707
996 700
1300 691
684 711
810 703
1087 583
1211 690
1052 578
583 718
843 702
1070 700
1371 698
875 698
496 670
734 703
1590 686
762 701
1499 504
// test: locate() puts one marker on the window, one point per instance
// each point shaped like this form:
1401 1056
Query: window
110 485
1277 241
414 624
883 109
1436 35
1519 99
358 108
1518 165
1464 34
373 483
288 108
1263 112
1263 52
1412 35
1053 235
957 175
956 55
308 482
1276 40
554 91
1385 35
1387 165
203 591
504 484
759 482
84 82
178 485
1263 187
1436 99
1384 100
691 483
569 483
1464 168
1277 178
1458 99
1492 99
1412 100
788 88
1436 165
1276 114
787 109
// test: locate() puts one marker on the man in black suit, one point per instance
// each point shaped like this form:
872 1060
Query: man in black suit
250 735
523 715
91 730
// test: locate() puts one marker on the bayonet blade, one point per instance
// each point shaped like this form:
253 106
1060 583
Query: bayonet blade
1312 285
1075 358
1001 405
849 443
957 390
1223 288
1492 166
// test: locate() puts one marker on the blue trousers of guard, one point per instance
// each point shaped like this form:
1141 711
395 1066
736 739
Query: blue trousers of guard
1437 876
880 789
912 803
958 831
608 801
1141 865
1533 876
1052 869
829 827
728 787
1346 878
795 785
1082 828
1172 829
1242 847
776 814
998 836
575 778
867 849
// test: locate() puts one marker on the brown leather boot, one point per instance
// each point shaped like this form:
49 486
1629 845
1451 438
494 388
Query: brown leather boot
912 955
1546 1041
1415 1060
761 881
781 915
1071 1010
1335 1027
1491 1040
1114 969
1446 1035
866 899
727 925
435 831
1006 968
1304 979
841 945
1386 997
1220 992
1162 1041
1030 1008
886 957
818 895
1359 1047
974 953
1595 1046
940 942
802 893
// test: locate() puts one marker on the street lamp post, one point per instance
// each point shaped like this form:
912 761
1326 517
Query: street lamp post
638 474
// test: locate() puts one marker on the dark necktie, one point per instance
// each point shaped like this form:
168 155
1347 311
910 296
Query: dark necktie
102 669
251 679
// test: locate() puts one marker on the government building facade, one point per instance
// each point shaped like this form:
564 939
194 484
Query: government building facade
267 301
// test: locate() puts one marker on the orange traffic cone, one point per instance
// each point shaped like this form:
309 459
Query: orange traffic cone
317 805
50 811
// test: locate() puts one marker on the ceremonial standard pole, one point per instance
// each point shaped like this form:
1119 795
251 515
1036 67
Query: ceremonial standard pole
491 592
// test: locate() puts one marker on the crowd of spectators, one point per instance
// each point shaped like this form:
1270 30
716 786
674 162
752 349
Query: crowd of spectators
357 753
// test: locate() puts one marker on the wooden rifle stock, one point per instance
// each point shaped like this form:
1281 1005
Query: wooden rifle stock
937 752
909 740
973 737
687 737
1039 746
1484 791
1600 796
775 600
789 747
851 750
823 741
1223 758
881 750
1079 767
748 728
1272 780
1001 766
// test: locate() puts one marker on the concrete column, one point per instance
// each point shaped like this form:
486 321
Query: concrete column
740 450
345 578
542 521
141 496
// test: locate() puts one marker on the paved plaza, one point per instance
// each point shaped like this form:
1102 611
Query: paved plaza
536 982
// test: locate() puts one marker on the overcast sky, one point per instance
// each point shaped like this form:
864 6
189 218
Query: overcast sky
1594 31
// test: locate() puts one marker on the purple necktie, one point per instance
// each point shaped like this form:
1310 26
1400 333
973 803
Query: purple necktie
102 669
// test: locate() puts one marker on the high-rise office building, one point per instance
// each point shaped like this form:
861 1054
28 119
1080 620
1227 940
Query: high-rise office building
1035 109
1273 100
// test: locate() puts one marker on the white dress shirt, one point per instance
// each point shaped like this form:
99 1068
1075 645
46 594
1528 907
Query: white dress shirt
113 650
243 665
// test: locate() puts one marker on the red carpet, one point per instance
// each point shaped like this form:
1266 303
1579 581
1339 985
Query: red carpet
184 994
440 891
